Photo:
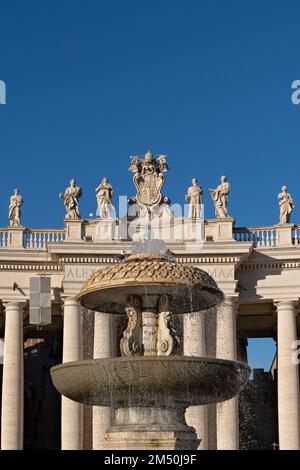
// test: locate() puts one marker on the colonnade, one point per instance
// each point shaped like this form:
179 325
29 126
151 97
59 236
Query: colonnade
12 413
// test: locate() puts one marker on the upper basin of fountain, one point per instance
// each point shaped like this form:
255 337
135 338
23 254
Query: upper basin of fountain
150 381
151 269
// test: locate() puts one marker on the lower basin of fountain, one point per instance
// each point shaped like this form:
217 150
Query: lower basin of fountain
152 381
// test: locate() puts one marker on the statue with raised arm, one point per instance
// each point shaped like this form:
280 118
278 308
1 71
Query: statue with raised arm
71 198
220 198
16 202
104 199
286 206
194 198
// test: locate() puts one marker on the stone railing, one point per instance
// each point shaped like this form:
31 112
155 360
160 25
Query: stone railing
296 235
4 238
275 235
215 231
260 236
39 238
36 239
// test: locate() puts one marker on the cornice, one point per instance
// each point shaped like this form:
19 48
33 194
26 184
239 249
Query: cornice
30 267
269 266
27 265
187 260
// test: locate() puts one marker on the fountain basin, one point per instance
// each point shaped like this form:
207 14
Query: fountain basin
159 381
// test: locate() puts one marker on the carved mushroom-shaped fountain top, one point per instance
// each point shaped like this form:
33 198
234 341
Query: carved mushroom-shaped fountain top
150 270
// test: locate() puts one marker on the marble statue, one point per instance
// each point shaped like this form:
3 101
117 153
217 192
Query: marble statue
148 179
220 198
194 198
16 202
104 199
286 206
71 199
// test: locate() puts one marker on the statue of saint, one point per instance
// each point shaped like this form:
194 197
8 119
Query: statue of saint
286 206
71 199
104 199
194 198
220 198
16 202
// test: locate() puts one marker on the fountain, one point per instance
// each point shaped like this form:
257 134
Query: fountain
148 387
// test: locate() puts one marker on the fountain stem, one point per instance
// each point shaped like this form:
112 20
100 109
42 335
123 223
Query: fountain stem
150 325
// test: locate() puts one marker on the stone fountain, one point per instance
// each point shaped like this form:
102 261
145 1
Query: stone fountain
149 387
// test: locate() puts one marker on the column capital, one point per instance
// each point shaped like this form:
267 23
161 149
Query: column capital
286 304
231 301
13 305
70 302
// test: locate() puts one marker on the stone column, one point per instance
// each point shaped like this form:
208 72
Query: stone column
13 379
227 412
71 412
194 345
103 347
288 377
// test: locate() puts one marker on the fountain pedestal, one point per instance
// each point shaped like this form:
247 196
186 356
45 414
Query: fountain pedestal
150 428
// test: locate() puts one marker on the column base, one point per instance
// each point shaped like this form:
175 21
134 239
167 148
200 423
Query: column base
153 428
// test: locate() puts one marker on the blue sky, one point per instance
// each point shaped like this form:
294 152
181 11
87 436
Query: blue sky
261 352
206 82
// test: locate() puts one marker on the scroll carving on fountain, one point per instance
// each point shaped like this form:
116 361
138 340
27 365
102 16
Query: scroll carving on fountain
150 387
148 333
131 342
167 337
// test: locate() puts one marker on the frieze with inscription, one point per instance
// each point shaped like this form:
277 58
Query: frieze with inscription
79 272
82 272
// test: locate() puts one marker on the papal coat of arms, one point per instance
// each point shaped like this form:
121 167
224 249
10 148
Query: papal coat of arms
148 179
